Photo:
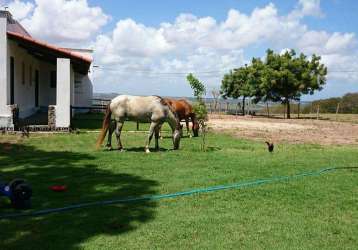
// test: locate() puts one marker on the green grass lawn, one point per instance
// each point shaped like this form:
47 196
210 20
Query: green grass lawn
310 213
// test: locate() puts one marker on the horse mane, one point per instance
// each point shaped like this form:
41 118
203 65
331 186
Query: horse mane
162 100
165 103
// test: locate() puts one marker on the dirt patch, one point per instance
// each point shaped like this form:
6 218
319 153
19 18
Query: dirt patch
291 131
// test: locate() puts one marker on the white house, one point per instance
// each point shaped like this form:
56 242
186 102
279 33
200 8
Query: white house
35 75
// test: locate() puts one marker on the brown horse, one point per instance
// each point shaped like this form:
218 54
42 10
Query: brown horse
184 111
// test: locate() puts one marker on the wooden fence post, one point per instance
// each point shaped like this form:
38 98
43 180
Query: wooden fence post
227 108
268 110
137 125
337 111
299 109
284 111
318 112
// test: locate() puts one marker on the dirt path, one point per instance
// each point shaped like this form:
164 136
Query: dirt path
292 131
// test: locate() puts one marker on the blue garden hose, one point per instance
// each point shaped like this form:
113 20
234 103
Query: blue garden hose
172 195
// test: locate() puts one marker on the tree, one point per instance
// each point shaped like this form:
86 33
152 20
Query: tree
287 77
197 86
236 84
200 107
215 93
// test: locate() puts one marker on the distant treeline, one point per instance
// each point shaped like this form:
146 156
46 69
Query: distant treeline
348 104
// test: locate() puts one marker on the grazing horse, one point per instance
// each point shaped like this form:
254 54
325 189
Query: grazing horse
152 109
184 111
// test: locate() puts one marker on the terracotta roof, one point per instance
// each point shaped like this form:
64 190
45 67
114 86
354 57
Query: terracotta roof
62 52
12 24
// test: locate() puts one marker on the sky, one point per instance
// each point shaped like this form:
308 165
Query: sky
147 47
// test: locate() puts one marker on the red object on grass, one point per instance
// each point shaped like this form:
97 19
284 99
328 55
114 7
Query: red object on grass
58 188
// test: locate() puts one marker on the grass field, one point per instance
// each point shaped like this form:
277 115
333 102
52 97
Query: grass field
310 213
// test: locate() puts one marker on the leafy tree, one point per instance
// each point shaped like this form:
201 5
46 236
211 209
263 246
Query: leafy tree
200 107
350 103
287 77
238 83
197 86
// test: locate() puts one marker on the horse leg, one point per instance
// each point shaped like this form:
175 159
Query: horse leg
118 134
160 131
152 128
187 127
112 127
157 132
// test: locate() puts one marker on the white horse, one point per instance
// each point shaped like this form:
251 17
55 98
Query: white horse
151 109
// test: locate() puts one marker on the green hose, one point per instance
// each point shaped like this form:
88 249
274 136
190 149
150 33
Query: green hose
172 195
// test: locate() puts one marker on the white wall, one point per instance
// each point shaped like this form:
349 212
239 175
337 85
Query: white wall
25 93
83 90
64 85
47 95
5 113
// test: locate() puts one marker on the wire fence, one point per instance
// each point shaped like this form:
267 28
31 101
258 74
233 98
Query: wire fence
301 110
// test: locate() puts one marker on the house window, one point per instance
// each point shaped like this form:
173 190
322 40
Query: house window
53 79
23 73
30 75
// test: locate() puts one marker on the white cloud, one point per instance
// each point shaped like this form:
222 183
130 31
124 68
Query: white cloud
133 54
307 8
322 42
20 9
202 44
64 22
135 39
310 7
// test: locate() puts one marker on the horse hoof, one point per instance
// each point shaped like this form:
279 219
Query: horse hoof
122 150
147 151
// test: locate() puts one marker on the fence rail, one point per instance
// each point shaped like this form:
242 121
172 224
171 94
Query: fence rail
234 107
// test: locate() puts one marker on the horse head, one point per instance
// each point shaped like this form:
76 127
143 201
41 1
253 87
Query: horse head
176 138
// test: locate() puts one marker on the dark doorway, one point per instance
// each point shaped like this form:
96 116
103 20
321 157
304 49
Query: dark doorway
12 80
36 88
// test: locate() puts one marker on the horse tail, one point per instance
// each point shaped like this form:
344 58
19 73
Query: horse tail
105 126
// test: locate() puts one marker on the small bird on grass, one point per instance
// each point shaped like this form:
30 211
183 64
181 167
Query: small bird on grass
270 146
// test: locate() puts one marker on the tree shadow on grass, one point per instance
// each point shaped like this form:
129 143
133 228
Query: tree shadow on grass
86 183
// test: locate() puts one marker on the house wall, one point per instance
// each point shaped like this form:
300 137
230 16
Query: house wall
47 93
25 93
83 90
25 90
5 112
79 91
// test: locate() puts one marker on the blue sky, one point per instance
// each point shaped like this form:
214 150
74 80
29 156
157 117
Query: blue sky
140 44
340 15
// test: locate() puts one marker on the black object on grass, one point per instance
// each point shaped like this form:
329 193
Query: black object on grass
270 146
